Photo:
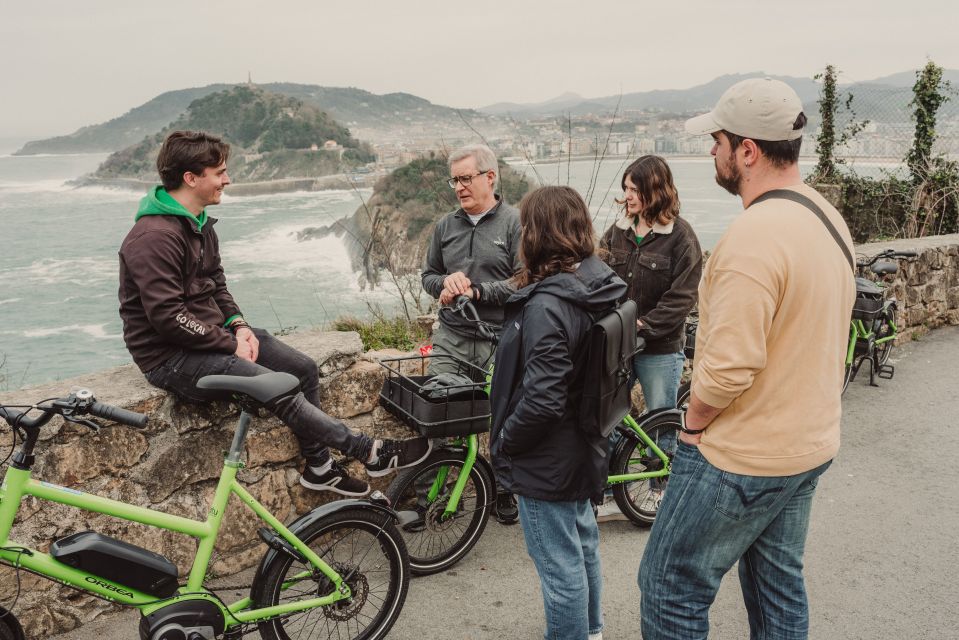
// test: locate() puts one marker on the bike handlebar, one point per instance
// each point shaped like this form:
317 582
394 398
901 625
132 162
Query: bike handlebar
464 307
75 405
116 414
888 253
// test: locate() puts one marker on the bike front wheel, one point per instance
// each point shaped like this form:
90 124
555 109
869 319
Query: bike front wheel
682 396
435 540
365 548
639 499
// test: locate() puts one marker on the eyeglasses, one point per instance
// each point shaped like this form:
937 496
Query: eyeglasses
464 180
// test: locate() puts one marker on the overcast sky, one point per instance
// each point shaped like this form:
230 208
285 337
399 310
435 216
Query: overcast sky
71 63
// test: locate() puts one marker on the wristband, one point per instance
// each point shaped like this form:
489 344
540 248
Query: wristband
692 432
239 324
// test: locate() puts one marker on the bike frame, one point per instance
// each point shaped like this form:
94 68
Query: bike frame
643 475
858 331
18 483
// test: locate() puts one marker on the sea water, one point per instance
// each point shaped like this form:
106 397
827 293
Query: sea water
58 255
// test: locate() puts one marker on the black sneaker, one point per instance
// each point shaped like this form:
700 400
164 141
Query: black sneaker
336 480
506 510
397 454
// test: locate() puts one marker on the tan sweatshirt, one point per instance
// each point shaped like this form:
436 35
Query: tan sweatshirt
774 308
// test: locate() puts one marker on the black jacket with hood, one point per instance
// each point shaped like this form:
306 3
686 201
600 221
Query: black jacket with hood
537 447
173 292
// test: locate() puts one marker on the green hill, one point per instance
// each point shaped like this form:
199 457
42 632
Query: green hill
355 108
273 136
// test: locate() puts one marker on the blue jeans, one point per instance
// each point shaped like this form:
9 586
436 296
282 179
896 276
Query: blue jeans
562 538
314 429
659 376
710 519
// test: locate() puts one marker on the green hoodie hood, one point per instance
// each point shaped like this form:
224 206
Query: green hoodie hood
157 202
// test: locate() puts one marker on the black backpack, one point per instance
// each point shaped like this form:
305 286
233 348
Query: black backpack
609 348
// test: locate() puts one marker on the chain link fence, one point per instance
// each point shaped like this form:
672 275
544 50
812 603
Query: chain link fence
887 127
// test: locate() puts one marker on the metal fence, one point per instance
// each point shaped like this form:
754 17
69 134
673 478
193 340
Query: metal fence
888 128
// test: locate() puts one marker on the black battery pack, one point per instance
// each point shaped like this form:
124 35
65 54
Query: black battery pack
117 561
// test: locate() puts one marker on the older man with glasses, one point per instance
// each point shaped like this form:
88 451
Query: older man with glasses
474 251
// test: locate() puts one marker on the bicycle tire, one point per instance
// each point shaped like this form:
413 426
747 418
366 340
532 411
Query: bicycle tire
682 396
378 578
636 499
435 544
883 329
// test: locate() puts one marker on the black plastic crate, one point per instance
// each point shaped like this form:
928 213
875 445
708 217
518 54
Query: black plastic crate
866 308
464 410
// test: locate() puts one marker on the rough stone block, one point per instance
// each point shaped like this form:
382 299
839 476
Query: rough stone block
270 446
333 350
353 391
106 453
184 460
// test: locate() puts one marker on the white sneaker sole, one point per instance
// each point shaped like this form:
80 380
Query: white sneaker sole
392 466
333 489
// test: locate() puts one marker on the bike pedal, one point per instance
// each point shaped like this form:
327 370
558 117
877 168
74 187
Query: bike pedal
886 372
277 543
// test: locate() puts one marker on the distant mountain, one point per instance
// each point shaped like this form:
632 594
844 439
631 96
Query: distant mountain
885 99
355 108
560 102
272 136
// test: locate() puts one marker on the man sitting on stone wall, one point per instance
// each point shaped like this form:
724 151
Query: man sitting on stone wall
180 322
474 251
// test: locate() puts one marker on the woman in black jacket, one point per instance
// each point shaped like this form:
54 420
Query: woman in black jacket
539 452
658 255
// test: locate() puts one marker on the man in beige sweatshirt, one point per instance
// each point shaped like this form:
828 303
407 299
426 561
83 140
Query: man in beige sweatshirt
763 418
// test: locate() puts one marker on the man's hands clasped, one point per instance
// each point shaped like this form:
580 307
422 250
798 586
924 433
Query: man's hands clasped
456 284
247 346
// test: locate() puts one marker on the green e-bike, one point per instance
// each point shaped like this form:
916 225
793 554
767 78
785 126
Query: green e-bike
340 571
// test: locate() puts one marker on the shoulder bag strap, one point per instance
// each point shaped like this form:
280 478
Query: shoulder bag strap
798 198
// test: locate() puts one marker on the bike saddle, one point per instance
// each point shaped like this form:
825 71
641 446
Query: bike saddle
262 388
884 268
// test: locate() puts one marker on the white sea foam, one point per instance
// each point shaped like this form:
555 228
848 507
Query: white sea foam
97 331
10 300
278 253
77 271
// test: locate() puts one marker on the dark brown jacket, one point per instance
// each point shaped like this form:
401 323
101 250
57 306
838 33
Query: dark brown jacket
662 275
173 291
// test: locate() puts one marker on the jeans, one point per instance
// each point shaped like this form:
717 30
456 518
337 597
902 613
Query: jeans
562 538
710 519
314 429
659 375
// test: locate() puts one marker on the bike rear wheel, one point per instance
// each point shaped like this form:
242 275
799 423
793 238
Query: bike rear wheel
884 328
365 548
436 542
639 499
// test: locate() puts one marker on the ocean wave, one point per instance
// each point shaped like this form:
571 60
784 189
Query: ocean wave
97 331
38 186
278 253
79 271
10 300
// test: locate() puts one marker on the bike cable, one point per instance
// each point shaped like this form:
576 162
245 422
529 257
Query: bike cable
16 568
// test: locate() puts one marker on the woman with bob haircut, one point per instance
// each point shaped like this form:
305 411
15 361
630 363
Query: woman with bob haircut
539 452
658 255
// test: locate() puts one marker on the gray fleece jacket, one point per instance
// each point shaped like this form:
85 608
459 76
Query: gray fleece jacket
488 253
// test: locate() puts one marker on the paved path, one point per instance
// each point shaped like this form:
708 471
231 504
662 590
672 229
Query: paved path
882 555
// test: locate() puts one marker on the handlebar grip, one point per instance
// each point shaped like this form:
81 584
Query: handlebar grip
907 254
116 414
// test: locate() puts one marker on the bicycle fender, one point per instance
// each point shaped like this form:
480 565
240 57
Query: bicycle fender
301 523
481 460
7 618
630 438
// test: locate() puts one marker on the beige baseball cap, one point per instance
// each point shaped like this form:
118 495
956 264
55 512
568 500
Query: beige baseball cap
758 108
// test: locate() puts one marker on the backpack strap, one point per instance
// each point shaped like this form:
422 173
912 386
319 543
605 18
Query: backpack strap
798 198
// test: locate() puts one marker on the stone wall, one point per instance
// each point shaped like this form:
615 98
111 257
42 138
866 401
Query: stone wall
173 465
927 287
